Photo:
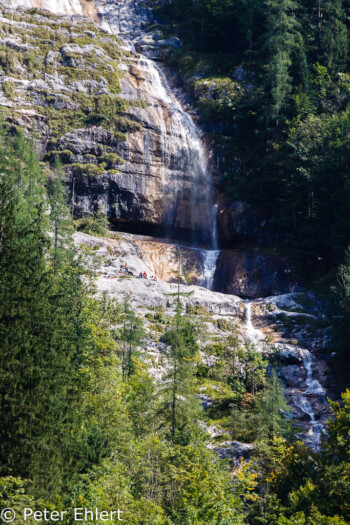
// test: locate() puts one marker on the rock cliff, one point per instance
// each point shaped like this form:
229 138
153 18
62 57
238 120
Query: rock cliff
126 137
108 113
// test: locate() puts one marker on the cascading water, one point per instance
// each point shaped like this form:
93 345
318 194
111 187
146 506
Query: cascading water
253 334
210 257
313 390
186 176
308 395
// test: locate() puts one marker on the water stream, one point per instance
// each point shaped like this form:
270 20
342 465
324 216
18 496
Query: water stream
187 181
313 390
308 398
253 334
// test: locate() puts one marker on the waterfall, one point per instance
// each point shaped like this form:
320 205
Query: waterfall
187 188
253 334
313 389
210 257
187 182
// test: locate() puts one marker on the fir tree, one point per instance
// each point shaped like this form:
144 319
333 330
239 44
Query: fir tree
279 42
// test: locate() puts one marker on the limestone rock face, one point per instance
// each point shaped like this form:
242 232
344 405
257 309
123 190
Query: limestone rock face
98 96
59 7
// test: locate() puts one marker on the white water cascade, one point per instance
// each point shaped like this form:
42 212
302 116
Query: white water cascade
253 334
187 182
313 389
210 257
184 160
308 396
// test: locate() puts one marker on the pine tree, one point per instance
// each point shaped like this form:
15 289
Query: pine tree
60 219
279 42
131 337
179 405
43 330
333 37
272 408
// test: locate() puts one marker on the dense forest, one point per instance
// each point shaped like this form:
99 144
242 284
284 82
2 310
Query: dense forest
83 422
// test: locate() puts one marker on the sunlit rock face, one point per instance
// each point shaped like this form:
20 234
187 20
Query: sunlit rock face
59 7
165 178
167 161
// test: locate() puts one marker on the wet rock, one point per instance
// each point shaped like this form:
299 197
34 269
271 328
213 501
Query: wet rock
252 274
290 355
293 375
170 42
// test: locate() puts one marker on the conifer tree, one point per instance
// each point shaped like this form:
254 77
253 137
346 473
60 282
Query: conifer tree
273 407
132 333
333 37
179 405
60 219
279 43
43 331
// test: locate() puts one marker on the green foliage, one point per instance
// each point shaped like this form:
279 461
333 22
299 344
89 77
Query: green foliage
9 89
94 224
84 426
131 336
87 170
276 98
196 309
64 156
40 325
279 43
111 159
178 402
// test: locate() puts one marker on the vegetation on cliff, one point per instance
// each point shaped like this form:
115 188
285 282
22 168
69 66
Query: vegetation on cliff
272 80
85 424
83 420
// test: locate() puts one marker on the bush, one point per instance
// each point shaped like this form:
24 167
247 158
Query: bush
196 309
111 159
9 89
93 224
89 170
65 156
225 324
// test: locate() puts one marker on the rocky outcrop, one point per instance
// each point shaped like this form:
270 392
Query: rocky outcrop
163 259
112 279
234 451
109 114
